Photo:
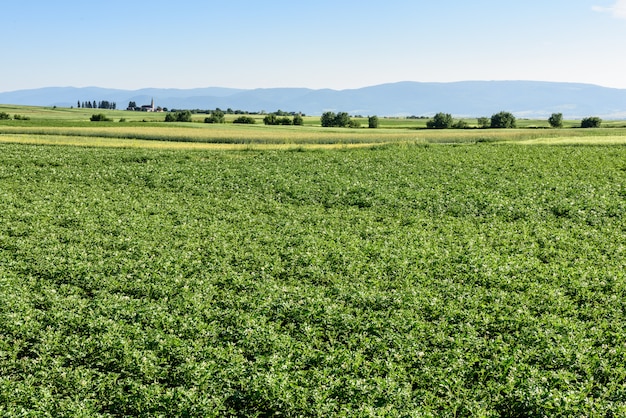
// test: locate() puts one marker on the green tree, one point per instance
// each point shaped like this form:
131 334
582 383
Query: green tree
591 122
245 120
4 116
556 120
297 120
328 119
372 122
440 121
217 116
503 120
270 119
342 120
484 122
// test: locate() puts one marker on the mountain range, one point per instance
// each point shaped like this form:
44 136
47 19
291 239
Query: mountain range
526 99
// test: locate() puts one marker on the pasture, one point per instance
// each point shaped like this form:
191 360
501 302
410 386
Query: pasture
449 273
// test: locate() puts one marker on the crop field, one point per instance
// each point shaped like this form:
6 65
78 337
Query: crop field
397 280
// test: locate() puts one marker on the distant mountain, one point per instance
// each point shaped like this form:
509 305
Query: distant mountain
530 99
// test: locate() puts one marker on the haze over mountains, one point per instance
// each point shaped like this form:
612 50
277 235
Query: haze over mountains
526 99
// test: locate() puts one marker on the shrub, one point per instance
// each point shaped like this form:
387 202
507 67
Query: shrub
591 122
354 124
100 117
372 122
245 120
20 117
4 116
460 124
484 122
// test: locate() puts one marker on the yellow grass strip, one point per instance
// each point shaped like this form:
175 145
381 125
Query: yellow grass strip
140 143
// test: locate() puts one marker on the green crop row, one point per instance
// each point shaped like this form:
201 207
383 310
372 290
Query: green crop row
471 280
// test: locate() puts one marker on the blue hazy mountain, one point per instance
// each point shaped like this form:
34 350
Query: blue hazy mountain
467 98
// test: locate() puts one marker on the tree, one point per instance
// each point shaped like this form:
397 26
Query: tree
556 120
372 122
591 122
182 116
270 119
132 105
342 120
484 122
440 121
328 119
460 124
503 120
297 120
245 120
4 116
217 116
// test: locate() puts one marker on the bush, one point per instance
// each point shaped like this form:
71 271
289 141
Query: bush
245 120
440 121
182 116
100 117
503 120
20 117
460 124
591 122
4 116
484 122
297 120
372 122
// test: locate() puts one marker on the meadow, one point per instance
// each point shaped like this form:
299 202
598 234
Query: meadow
442 275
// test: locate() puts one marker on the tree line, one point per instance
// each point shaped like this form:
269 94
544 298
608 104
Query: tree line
103 104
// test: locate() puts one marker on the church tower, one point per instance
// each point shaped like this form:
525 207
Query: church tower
152 104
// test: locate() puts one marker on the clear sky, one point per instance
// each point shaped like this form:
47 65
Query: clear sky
132 44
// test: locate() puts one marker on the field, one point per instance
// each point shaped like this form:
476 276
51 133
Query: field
460 273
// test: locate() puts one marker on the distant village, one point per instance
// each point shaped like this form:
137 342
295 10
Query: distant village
145 108
105 104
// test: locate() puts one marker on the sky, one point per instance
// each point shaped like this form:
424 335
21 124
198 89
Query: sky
336 44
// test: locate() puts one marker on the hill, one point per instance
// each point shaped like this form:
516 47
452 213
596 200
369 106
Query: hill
467 98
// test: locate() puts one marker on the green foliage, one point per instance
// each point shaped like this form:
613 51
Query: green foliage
336 120
298 120
20 117
440 121
372 122
4 116
484 122
591 122
181 116
432 280
100 117
503 120
217 116
460 124
249 120
556 120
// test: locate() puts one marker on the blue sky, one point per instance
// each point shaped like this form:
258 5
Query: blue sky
323 44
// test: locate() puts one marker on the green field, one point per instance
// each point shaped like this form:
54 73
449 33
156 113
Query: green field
459 273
